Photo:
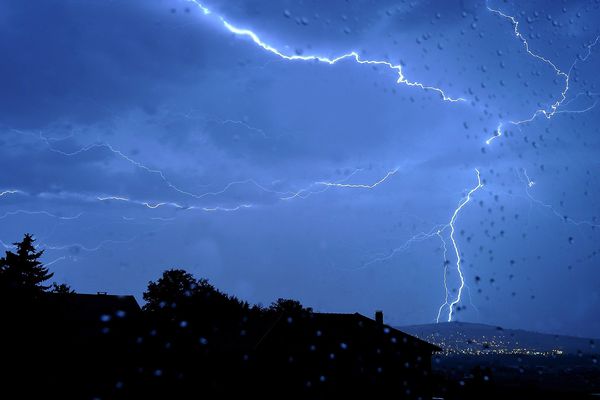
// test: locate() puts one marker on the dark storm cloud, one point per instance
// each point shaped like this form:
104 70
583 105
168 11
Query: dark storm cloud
85 60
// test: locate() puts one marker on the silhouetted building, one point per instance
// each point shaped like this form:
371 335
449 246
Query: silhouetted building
322 355
101 346
68 345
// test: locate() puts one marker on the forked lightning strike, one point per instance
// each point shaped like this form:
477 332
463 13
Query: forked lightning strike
353 55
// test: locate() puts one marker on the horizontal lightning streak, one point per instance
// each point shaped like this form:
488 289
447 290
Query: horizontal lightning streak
303 193
245 125
46 213
85 248
100 245
226 209
146 204
150 170
306 192
360 186
62 258
9 192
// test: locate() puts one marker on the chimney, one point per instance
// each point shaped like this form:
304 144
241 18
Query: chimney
379 317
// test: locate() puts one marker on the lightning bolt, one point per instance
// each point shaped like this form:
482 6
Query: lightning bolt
307 192
438 230
326 185
589 108
359 186
46 213
245 125
419 237
529 184
558 71
59 259
282 195
463 203
86 248
353 55
226 209
146 168
190 115
554 107
97 247
446 262
497 134
9 192
146 204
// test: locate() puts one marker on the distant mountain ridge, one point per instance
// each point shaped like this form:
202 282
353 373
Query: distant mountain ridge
480 339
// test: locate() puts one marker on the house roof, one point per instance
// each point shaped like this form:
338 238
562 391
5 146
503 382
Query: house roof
345 320
92 307
348 326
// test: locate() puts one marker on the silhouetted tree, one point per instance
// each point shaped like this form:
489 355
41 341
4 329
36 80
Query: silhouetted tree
173 287
288 306
21 271
62 288
177 294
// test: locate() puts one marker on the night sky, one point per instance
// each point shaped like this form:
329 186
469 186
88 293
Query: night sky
138 136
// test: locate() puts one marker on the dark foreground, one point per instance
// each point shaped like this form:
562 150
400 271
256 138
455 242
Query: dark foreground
105 347
192 341
114 350
517 376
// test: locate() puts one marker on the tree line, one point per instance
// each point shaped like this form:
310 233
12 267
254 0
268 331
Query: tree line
23 275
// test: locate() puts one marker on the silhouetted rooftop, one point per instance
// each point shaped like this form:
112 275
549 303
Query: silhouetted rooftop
93 307
349 325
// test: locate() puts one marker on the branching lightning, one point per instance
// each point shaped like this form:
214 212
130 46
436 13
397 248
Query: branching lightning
307 191
353 55
445 232
529 185
464 202
359 186
282 195
558 71
554 107
304 193
438 231
325 185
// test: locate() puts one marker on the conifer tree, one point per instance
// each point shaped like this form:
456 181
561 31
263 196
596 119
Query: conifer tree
22 271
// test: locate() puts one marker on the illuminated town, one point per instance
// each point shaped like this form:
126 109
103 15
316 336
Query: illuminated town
486 344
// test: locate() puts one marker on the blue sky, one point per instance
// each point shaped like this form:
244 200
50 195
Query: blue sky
141 136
